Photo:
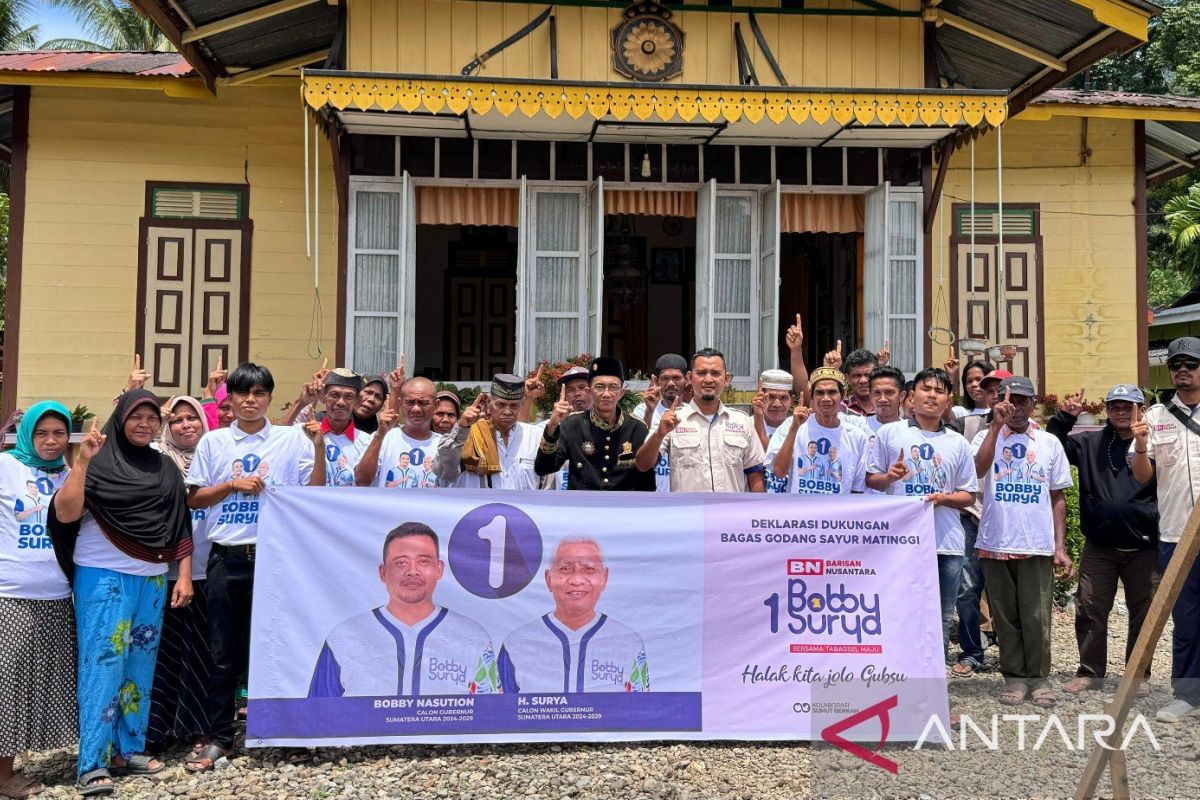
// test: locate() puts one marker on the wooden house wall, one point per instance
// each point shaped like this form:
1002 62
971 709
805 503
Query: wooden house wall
439 37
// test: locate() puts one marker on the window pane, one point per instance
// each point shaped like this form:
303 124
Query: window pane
416 156
374 344
862 166
902 228
608 161
766 284
457 158
733 225
902 167
827 166
555 339
638 155
731 286
495 158
902 286
570 161
377 221
557 221
533 160
755 163
903 335
791 165
372 155
376 282
719 161
732 337
683 163
556 280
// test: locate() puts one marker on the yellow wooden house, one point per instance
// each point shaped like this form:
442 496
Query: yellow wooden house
484 184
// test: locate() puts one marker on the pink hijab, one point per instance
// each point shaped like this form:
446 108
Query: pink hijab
212 411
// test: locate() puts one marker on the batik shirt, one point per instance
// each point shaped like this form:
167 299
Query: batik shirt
547 656
375 654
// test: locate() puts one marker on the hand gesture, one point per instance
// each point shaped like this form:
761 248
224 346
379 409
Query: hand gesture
951 363
669 420
217 376
795 335
312 429
250 485
534 388
310 392
397 377
166 413
92 442
1140 428
137 376
936 499
885 353
1072 404
323 372
182 594
758 403
1063 564
800 414
652 396
1003 411
473 412
388 417
834 357
898 471
560 411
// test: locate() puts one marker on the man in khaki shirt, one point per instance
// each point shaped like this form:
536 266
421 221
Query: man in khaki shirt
710 447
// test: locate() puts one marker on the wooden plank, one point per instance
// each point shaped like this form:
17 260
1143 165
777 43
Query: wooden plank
411 37
722 64
791 48
358 37
841 51
437 53
1169 588
887 59
570 42
489 23
596 62
816 52
514 61
384 56
864 73
466 37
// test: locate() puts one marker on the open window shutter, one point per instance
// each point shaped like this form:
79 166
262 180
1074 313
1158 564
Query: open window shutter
768 281
380 283
903 309
705 230
875 265
595 267
522 364
735 280
556 286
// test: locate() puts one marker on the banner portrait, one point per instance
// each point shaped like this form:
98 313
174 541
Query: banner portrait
483 616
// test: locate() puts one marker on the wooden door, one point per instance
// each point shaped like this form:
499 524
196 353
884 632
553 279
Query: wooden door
1001 307
481 326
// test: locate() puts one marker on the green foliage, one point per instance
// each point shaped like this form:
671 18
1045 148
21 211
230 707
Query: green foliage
14 33
1183 216
79 417
111 25
1064 588
466 394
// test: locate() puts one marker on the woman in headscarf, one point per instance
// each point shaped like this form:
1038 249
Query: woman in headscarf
119 519
181 673
37 621
218 409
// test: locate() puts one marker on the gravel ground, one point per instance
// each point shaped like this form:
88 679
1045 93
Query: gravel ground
738 771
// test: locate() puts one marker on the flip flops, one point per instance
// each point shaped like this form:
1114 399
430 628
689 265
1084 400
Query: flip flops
88 787
206 759
1014 694
138 764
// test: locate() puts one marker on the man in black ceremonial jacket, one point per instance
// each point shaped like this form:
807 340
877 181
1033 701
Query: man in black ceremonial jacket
1119 520
600 445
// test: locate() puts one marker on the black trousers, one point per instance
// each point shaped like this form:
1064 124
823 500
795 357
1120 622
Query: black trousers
230 592
1099 569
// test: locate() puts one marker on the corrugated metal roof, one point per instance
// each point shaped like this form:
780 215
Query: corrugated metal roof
111 62
1091 97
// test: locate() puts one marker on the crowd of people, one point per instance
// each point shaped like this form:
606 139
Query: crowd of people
126 575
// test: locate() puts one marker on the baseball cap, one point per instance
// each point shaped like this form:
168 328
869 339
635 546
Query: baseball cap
1127 392
995 375
1184 346
573 374
451 396
1017 384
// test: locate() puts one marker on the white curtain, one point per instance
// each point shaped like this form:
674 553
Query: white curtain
557 277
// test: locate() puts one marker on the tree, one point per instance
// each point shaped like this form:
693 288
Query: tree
14 33
112 25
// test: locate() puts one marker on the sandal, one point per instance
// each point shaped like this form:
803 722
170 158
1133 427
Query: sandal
1143 689
1014 694
137 764
20 787
196 747
1044 697
89 784
207 758
965 668
1080 684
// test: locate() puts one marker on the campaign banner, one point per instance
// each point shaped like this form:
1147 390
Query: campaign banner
385 616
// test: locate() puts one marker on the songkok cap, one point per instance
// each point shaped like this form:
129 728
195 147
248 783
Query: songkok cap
381 380
1184 346
451 396
1018 385
573 374
508 387
1127 392
606 366
995 375
776 379
670 361
344 377
826 374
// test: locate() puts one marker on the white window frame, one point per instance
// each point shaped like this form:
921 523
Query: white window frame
877 271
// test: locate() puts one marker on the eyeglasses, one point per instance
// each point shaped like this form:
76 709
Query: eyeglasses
1190 366
606 388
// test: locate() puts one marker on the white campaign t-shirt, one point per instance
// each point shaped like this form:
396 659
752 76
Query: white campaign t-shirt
775 484
1017 517
93 549
405 462
662 467
824 460
28 570
342 455
280 455
937 461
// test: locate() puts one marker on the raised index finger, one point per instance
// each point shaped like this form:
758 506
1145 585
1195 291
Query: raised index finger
562 393
137 361
220 362
1008 395
675 404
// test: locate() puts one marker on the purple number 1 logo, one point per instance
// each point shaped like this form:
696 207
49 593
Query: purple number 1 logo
495 550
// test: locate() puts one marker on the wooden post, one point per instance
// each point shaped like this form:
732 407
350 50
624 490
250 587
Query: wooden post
1143 653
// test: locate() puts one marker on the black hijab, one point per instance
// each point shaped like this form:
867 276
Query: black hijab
136 494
